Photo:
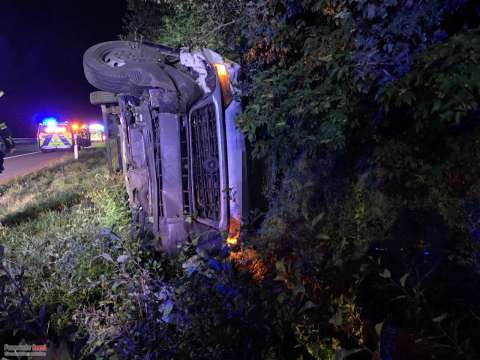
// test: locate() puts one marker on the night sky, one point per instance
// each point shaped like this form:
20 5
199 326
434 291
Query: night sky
41 47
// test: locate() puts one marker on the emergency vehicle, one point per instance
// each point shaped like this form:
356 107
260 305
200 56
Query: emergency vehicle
53 135
97 132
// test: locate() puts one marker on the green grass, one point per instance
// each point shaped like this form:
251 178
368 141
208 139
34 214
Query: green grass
49 226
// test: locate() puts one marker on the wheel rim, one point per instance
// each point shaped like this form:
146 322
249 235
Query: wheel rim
118 54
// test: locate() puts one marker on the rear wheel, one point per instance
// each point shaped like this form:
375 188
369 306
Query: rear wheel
115 66
130 68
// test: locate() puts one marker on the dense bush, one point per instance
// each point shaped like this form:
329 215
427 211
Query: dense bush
189 306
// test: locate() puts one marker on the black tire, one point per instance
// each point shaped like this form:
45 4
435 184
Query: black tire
119 66
102 97
130 68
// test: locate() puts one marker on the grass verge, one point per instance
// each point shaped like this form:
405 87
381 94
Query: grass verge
49 223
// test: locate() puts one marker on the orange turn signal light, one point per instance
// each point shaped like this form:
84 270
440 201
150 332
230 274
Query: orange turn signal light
224 80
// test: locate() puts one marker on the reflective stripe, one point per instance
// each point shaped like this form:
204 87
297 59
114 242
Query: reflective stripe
47 140
3 126
64 140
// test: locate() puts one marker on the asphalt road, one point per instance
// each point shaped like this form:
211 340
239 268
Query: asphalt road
23 164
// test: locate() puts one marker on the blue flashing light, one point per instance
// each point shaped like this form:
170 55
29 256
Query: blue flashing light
50 121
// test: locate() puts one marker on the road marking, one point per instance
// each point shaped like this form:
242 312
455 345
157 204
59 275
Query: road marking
16 156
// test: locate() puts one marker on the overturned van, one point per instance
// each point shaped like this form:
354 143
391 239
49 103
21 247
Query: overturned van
183 156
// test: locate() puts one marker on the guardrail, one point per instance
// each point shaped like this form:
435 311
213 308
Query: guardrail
24 146
25 140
